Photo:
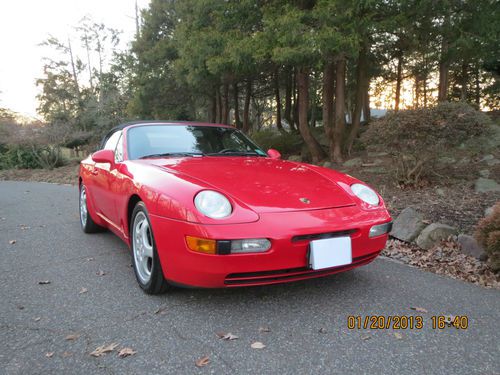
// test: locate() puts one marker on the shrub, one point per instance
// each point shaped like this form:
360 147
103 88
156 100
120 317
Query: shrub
417 138
30 157
286 143
488 235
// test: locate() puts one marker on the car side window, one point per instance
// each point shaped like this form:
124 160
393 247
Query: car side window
112 141
119 150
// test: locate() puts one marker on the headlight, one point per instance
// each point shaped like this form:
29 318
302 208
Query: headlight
212 204
366 194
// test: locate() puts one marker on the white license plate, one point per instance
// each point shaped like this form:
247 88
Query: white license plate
330 252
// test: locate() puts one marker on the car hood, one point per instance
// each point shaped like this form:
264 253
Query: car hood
263 184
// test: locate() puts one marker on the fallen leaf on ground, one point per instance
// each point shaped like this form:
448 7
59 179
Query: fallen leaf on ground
103 349
83 290
264 329
202 362
67 354
365 337
49 354
100 273
160 310
72 337
37 319
227 336
398 335
419 309
125 352
44 282
90 259
24 227
322 330
257 345
20 307
12 242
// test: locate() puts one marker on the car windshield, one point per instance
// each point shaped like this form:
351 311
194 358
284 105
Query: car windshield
185 140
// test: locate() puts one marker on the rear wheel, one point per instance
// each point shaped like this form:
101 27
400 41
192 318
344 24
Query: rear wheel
147 265
88 225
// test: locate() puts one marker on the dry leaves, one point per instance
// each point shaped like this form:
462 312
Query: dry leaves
264 329
37 319
322 330
227 336
366 337
257 345
398 335
44 282
103 349
160 310
24 227
12 242
125 352
66 354
90 259
419 309
444 259
202 362
83 290
49 354
100 273
72 337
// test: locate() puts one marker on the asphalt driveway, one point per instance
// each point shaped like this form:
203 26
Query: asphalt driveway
92 295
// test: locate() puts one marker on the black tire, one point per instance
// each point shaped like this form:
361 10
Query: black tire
88 225
156 284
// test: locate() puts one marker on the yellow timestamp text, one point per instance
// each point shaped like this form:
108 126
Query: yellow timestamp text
406 322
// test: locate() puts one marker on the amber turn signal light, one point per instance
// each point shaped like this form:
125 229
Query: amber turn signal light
202 245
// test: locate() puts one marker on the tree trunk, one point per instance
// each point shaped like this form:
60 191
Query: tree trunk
338 132
464 77
314 147
399 79
425 90
367 114
477 89
416 99
219 104
213 108
278 100
288 99
225 105
236 106
246 108
328 78
295 105
443 72
361 83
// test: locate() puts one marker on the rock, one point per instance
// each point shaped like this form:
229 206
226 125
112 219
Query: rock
295 158
355 162
447 160
488 211
484 173
434 233
327 164
490 160
377 154
484 185
470 247
407 225
440 192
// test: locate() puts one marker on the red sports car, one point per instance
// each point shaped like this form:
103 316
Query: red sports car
202 205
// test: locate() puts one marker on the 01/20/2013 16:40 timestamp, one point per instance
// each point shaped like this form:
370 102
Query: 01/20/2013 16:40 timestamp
406 322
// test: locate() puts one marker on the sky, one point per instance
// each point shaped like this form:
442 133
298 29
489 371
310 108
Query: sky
26 23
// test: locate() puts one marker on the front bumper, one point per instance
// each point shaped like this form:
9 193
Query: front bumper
290 234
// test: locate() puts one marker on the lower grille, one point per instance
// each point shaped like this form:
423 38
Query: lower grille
291 274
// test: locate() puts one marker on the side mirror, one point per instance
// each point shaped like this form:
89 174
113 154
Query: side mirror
104 156
273 154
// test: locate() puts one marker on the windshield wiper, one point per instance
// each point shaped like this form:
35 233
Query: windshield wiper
234 153
171 154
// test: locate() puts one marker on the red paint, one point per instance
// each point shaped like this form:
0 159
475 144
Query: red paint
265 194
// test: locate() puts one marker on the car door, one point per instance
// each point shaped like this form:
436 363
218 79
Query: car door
116 181
102 176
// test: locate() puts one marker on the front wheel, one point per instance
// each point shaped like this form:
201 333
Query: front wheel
88 225
147 265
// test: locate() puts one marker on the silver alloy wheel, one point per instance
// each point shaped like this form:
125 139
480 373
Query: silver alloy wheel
83 206
142 247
